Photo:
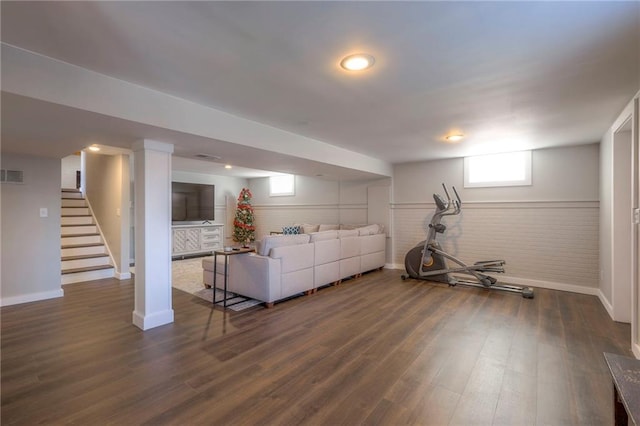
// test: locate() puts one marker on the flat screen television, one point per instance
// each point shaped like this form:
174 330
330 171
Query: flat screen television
192 202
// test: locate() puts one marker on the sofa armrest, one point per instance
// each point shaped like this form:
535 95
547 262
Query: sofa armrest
256 276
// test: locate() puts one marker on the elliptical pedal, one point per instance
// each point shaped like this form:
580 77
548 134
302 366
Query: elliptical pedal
491 262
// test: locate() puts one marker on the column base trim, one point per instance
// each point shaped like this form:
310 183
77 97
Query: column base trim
146 322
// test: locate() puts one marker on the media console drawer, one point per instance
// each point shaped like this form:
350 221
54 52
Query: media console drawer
195 239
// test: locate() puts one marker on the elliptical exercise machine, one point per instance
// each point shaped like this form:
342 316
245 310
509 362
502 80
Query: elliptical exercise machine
427 261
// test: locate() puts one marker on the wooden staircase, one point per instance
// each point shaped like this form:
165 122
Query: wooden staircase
84 254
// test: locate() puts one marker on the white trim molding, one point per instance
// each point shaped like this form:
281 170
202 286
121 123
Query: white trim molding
31 297
549 285
607 305
156 319
122 275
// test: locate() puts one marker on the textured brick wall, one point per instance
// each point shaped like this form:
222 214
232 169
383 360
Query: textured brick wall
547 241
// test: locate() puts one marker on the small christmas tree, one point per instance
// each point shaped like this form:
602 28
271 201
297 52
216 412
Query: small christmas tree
243 228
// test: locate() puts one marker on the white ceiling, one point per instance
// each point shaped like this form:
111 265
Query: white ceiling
510 75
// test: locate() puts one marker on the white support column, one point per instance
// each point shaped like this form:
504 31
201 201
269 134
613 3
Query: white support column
152 189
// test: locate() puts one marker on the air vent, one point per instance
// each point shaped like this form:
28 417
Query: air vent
208 157
11 176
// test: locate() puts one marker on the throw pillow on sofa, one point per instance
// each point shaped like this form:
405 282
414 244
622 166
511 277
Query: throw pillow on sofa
290 230
325 227
308 228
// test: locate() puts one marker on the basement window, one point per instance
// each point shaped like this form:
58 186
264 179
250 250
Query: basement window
508 169
281 185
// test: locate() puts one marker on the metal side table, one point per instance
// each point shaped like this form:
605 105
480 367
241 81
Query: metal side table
226 254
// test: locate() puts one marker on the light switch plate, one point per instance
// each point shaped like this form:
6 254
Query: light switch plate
44 212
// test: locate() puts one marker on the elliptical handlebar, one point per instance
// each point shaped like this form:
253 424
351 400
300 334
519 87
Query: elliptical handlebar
456 204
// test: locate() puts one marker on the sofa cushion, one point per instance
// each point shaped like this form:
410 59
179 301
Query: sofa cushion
372 244
326 251
325 227
349 247
322 236
271 241
348 226
369 229
293 258
348 233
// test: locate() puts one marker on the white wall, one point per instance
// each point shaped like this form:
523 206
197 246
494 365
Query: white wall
227 190
547 232
107 190
558 174
70 166
30 249
315 201
618 261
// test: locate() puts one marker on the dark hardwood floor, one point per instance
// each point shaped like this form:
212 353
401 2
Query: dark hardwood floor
375 350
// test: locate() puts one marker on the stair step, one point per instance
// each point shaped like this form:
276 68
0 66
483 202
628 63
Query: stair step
68 246
80 225
70 190
75 211
94 249
82 276
86 262
73 202
78 232
84 256
86 269
76 220
68 240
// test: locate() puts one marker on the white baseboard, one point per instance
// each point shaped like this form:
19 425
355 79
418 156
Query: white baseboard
123 275
146 322
551 285
31 297
607 305
636 350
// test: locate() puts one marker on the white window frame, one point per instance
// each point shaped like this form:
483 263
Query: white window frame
282 191
482 160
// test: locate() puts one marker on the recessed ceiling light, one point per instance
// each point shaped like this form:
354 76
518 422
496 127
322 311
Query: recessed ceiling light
227 166
357 62
94 148
455 137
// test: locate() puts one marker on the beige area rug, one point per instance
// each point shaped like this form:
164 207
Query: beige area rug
186 275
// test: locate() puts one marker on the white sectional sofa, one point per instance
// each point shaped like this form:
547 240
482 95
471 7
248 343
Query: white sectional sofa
287 265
